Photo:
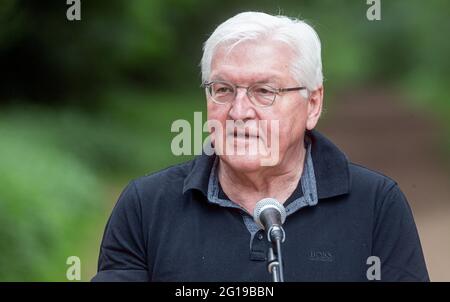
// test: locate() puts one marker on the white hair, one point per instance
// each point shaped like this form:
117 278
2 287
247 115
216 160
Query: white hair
301 37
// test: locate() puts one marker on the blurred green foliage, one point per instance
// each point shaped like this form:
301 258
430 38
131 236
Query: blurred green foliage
46 200
87 105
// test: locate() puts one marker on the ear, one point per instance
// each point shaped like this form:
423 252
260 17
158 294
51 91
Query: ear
314 108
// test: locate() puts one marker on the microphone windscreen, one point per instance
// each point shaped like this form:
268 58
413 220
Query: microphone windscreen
268 203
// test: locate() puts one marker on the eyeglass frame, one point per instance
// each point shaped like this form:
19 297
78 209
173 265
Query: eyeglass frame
278 91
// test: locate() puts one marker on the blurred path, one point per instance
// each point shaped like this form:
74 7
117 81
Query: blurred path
379 130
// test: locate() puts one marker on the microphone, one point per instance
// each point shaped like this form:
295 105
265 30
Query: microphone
270 215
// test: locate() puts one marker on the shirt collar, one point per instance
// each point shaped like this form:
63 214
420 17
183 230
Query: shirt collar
330 169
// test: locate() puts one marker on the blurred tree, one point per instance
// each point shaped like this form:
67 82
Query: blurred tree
47 58
156 44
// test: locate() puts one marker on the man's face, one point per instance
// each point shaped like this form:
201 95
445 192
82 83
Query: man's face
248 63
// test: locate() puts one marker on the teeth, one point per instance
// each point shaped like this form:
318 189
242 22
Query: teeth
243 135
246 136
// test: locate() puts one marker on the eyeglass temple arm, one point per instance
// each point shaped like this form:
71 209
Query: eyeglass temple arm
291 89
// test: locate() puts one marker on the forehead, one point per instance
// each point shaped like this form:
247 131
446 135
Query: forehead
252 61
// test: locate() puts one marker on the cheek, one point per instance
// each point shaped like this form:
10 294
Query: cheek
292 124
216 115
216 112
293 128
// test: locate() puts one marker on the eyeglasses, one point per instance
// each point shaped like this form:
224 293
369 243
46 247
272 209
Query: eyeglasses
260 95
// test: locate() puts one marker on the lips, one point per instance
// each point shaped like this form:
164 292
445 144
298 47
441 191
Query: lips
245 134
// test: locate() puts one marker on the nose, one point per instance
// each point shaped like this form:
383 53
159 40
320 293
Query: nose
242 108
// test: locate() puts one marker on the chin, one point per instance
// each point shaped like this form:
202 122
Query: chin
243 163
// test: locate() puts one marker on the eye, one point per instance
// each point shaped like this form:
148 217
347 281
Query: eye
264 90
222 89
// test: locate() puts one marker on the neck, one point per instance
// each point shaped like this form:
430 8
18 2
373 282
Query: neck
247 188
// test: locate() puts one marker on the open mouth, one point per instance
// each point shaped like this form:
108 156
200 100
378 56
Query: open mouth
246 134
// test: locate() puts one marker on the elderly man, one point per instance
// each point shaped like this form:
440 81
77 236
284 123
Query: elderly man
194 222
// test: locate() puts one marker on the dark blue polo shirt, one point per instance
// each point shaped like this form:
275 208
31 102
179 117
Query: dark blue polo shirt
178 225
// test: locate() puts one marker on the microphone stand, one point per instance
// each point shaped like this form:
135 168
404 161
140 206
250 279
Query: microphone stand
274 257
270 215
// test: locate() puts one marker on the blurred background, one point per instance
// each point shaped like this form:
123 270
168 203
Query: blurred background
86 106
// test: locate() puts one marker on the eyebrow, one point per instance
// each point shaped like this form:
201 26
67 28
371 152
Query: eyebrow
269 79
